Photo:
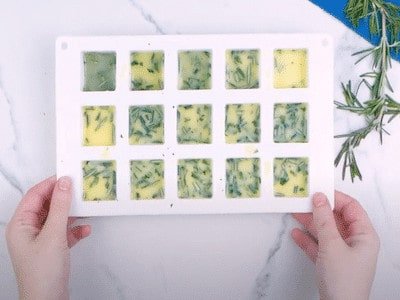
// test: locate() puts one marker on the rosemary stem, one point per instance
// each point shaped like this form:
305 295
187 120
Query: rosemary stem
384 21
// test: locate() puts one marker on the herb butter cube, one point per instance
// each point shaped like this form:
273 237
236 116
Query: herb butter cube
194 124
291 68
290 123
291 177
242 69
242 123
98 126
147 70
147 179
99 71
194 70
194 178
146 124
99 180
243 178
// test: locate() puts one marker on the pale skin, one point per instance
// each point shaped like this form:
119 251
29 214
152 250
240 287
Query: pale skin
39 238
342 243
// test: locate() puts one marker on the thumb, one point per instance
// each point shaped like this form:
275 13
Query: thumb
57 219
324 221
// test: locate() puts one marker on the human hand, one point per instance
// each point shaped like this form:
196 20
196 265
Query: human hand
343 245
39 236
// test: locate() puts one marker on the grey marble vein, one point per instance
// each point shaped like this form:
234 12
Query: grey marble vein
115 281
263 280
11 114
9 177
396 266
382 203
380 194
147 16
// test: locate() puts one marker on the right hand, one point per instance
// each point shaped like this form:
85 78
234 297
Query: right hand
343 245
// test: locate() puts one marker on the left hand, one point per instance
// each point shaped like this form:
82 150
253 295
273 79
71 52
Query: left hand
39 237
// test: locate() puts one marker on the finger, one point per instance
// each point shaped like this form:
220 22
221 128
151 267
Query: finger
32 210
306 243
341 200
341 225
71 221
78 233
33 201
355 217
324 222
306 219
57 220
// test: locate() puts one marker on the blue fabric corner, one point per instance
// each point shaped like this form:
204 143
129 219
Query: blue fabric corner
336 9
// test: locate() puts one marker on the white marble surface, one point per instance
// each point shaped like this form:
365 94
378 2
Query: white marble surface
175 257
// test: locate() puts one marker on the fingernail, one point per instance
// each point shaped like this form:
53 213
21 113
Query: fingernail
319 199
64 183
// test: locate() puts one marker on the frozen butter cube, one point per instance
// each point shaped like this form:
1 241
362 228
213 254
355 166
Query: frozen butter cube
290 123
146 124
98 126
194 70
194 178
291 177
147 70
99 71
243 178
194 124
99 180
242 123
242 69
291 68
147 179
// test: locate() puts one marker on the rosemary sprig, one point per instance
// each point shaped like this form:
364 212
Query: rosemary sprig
380 108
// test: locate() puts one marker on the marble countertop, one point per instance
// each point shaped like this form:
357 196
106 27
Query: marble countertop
178 257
